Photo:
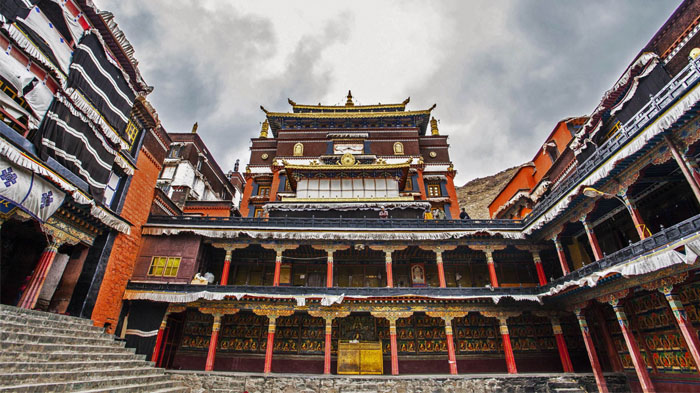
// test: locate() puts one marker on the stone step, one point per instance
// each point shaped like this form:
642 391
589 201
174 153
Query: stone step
57 339
81 365
21 378
52 328
10 310
38 321
62 348
137 383
14 356
161 387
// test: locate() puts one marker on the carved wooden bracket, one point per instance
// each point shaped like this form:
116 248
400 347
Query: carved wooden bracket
615 296
668 281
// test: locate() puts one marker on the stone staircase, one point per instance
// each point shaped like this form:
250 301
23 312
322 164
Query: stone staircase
43 352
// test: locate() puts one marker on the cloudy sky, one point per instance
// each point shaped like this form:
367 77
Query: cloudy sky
502 73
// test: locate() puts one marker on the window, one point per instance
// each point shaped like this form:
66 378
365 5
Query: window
111 189
175 151
199 164
164 266
264 190
258 212
131 132
434 190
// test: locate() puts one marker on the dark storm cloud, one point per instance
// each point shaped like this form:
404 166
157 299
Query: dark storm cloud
503 73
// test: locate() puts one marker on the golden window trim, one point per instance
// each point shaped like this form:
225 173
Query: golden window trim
164 266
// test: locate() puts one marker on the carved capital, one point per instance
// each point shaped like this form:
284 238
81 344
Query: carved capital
391 315
279 248
386 247
329 315
616 296
230 246
665 281
500 314
220 311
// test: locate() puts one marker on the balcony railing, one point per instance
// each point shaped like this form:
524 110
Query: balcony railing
335 223
662 238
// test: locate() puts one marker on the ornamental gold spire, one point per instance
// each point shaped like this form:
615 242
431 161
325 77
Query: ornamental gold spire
194 128
263 130
349 101
434 127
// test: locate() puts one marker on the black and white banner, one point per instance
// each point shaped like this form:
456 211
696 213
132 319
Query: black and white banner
101 82
67 136
28 191
13 9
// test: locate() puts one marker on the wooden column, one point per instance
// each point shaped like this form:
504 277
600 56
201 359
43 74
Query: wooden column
279 249
392 316
590 348
389 269
328 316
218 313
451 356
561 346
272 315
637 219
394 347
690 334
388 250
492 268
639 364
681 160
421 185
441 268
270 343
507 347
155 357
329 269
227 266
538 266
592 239
562 255
448 316
36 282
613 356
211 355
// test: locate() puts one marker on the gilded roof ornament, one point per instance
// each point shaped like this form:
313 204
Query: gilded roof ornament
434 127
263 109
292 103
194 127
264 129
406 101
349 101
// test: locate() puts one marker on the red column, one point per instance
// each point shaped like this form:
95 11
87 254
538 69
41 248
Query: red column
421 185
538 266
247 192
327 348
451 358
270 345
389 270
492 268
590 348
329 270
614 357
394 347
592 239
36 282
278 266
159 340
227 266
275 184
562 256
452 193
211 355
639 364
687 330
507 347
636 217
683 164
441 269
561 346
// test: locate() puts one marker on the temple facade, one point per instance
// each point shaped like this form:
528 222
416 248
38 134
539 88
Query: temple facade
347 253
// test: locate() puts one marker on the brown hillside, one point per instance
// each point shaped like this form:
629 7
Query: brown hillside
476 195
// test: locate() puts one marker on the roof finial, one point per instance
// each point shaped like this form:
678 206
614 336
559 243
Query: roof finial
194 127
434 127
263 130
349 101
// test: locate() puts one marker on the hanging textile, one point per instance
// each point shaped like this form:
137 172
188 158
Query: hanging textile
97 78
13 9
28 191
56 45
67 136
